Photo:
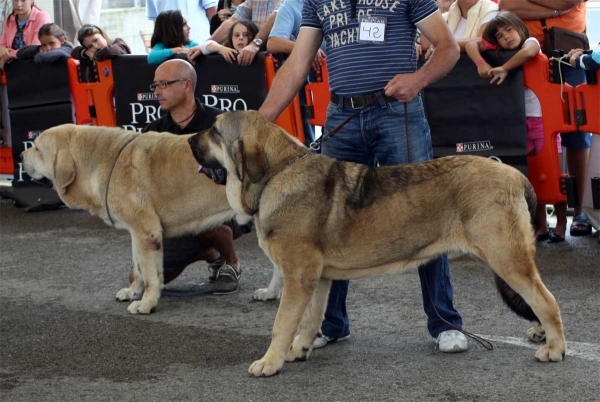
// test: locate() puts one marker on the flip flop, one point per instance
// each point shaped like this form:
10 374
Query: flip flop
543 236
580 220
555 238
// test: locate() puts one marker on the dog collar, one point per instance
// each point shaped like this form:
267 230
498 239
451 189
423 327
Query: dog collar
109 176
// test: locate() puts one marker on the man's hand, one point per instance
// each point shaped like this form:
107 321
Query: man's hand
247 54
318 60
429 52
224 14
573 55
499 74
4 52
403 87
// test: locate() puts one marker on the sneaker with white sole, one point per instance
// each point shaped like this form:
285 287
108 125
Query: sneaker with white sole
228 280
452 341
324 340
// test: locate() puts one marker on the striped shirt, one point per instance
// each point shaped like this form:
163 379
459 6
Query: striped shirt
358 68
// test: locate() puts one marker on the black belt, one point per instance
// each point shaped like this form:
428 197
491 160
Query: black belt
356 102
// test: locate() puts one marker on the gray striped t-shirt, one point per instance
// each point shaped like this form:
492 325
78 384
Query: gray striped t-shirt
358 68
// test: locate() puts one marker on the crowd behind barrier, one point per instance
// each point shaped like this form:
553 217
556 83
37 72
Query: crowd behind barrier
467 114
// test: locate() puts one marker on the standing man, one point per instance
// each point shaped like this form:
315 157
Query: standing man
372 63
571 15
174 85
197 12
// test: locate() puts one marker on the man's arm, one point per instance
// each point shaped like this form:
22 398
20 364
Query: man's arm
223 30
529 10
247 54
292 75
405 87
279 45
210 12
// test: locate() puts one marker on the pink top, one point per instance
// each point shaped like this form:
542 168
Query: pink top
37 18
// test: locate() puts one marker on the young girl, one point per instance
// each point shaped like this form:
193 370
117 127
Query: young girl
21 29
241 34
96 45
171 36
53 46
507 31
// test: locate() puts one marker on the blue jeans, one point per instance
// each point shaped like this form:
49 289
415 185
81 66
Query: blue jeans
377 136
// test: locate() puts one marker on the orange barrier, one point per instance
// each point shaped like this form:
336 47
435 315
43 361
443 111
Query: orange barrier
588 106
79 94
100 96
291 118
317 96
6 159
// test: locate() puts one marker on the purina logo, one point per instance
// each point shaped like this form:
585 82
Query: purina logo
224 89
32 135
147 96
474 146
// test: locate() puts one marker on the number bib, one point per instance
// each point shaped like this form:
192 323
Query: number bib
372 29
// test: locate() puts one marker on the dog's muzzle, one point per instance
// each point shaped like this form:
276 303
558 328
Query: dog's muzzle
218 175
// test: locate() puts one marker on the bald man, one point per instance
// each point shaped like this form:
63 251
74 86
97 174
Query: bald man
174 85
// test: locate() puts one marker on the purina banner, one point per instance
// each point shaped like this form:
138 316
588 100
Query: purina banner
220 84
470 116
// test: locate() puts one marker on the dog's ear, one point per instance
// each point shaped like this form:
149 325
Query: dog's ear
237 155
64 170
255 159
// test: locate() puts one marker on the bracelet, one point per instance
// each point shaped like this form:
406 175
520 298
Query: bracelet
479 62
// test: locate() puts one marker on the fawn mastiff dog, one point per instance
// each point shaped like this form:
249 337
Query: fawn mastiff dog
319 219
147 184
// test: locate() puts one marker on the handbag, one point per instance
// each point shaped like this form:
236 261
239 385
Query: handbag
563 39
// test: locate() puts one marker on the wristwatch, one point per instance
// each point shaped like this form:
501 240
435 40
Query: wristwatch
257 42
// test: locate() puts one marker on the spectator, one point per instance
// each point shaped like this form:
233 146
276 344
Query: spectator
242 33
507 31
171 36
198 14
174 86
585 61
96 46
281 41
571 15
262 13
21 29
385 81
53 46
225 9
466 19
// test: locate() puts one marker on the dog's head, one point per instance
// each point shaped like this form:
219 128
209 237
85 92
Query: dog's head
49 157
251 150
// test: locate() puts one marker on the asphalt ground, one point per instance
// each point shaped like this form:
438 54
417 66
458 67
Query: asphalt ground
64 337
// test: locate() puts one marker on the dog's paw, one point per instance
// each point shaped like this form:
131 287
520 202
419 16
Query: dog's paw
264 295
548 353
297 353
139 307
127 294
536 333
265 368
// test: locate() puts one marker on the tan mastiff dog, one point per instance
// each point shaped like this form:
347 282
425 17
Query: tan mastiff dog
147 184
319 219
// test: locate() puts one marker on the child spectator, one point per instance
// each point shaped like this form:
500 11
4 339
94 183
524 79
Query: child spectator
585 61
53 46
96 46
507 31
171 36
21 29
241 34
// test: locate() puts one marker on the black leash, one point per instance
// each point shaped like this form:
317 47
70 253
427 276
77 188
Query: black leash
109 176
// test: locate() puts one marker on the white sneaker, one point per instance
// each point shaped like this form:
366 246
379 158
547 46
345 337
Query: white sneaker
324 340
451 341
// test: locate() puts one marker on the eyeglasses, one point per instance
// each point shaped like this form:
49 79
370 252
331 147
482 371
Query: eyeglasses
164 84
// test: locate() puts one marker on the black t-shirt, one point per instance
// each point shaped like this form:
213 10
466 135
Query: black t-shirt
203 120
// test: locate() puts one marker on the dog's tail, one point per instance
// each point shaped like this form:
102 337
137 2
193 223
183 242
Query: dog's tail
514 300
